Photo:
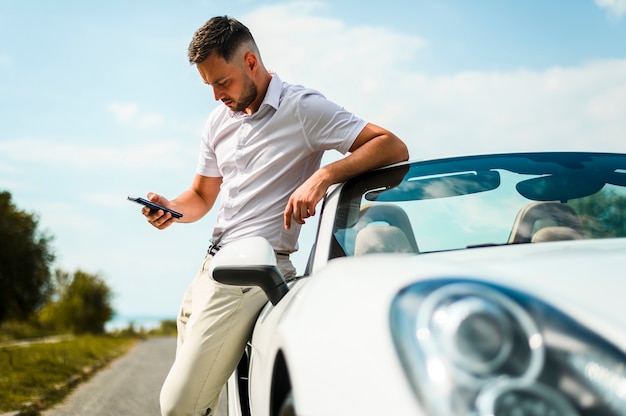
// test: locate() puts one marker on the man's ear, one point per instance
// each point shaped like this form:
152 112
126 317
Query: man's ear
251 61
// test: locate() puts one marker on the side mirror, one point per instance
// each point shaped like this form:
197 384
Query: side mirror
250 262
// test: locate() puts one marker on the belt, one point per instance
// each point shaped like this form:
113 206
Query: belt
214 248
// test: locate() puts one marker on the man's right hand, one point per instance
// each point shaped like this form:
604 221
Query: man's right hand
158 219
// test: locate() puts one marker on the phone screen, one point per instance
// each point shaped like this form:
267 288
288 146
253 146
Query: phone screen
154 207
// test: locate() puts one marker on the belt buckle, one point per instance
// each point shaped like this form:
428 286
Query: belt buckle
213 249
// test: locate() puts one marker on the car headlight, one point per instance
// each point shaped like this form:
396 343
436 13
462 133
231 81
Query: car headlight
471 348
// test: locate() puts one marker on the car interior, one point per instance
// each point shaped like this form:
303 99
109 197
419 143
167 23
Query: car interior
384 228
546 221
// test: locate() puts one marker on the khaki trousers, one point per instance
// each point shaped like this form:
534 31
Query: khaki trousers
214 324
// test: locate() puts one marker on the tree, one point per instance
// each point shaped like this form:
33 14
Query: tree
82 303
602 215
25 258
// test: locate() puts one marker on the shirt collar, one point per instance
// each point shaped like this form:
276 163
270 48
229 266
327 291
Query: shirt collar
274 89
272 97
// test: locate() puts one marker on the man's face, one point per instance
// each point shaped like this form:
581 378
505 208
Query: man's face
230 83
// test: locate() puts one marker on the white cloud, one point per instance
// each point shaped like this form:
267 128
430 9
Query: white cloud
367 70
556 109
132 115
616 8
325 53
123 113
87 156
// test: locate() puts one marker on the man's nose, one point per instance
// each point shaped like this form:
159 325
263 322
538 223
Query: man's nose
218 93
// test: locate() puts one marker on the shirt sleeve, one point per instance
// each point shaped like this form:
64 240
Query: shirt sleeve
207 161
327 125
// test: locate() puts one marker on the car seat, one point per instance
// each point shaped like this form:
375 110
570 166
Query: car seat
384 228
559 221
555 233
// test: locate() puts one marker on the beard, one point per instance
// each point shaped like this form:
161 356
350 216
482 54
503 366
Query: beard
248 95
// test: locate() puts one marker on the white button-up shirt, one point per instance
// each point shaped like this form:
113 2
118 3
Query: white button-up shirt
265 156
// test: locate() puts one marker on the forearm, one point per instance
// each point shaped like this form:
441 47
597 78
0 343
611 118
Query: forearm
195 202
383 150
191 205
373 148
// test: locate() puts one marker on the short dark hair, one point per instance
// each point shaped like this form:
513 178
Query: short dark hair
222 35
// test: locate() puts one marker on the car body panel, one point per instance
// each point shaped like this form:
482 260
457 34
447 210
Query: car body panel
332 339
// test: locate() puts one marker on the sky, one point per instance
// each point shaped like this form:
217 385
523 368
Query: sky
98 102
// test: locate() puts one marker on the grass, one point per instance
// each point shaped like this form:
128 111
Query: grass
14 330
33 376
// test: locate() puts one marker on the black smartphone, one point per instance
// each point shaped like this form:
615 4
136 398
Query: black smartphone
154 207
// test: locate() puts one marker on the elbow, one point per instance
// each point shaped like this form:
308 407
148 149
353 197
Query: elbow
404 153
400 151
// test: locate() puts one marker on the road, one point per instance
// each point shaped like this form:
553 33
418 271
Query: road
128 386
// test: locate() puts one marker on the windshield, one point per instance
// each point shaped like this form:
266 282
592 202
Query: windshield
478 201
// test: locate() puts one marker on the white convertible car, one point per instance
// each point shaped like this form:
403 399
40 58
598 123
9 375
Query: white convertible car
481 285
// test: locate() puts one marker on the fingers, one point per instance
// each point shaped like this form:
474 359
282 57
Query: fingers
305 212
298 211
157 218
287 216
154 197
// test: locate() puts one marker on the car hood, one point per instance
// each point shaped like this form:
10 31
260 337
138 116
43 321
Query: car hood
581 278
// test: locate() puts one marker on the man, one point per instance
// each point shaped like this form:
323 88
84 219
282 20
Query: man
261 152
